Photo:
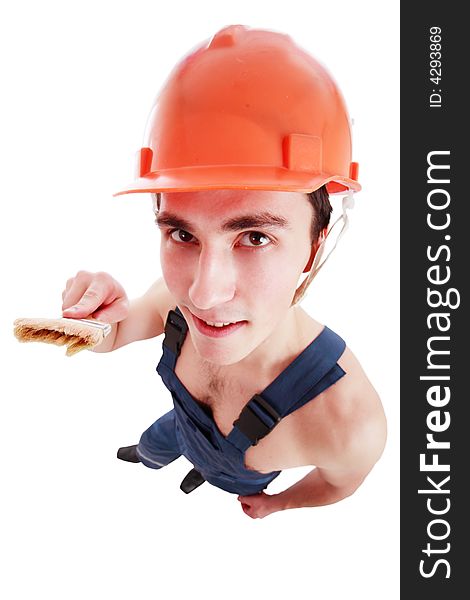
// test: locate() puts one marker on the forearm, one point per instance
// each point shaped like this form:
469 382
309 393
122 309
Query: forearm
312 490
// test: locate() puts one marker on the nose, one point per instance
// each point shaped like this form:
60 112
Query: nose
214 280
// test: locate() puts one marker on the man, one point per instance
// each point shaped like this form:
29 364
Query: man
246 140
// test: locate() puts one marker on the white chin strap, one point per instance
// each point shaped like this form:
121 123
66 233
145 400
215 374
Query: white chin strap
317 264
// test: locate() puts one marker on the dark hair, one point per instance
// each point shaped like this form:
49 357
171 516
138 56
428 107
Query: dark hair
322 209
320 201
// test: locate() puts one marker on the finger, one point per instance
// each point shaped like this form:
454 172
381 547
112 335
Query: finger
68 285
75 288
94 296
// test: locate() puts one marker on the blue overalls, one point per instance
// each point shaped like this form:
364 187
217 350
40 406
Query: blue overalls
189 430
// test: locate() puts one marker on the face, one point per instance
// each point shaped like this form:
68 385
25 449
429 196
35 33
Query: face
232 259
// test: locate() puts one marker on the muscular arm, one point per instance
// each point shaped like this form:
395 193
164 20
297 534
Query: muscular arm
357 442
315 490
323 485
346 468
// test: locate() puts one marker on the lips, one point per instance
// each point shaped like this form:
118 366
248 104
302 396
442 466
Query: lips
216 329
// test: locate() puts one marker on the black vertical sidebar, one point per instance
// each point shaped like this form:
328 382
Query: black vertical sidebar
435 324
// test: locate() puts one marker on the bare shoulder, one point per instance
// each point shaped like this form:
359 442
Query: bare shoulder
159 298
357 407
345 427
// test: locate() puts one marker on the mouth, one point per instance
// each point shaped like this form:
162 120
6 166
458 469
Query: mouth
216 329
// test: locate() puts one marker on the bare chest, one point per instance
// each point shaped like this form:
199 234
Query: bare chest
223 395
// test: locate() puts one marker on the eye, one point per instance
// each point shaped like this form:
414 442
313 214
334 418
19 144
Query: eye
180 235
254 238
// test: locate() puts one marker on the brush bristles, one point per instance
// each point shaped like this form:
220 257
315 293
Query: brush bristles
77 335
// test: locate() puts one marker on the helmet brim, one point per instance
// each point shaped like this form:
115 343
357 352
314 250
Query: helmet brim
238 177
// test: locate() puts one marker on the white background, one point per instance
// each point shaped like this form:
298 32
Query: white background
78 81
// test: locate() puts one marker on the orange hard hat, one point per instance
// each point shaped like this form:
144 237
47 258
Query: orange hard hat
248 109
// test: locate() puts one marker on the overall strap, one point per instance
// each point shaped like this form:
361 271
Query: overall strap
312 372
176 329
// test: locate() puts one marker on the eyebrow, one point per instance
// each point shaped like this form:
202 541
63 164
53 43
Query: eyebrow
255 220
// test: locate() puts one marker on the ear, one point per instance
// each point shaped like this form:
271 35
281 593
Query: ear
314 250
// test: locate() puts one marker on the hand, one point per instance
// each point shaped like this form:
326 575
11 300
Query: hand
95 295
259 505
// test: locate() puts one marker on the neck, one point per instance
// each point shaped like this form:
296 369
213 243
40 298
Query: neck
278 349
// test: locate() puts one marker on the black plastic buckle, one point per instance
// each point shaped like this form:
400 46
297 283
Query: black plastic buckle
250 424
175 332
